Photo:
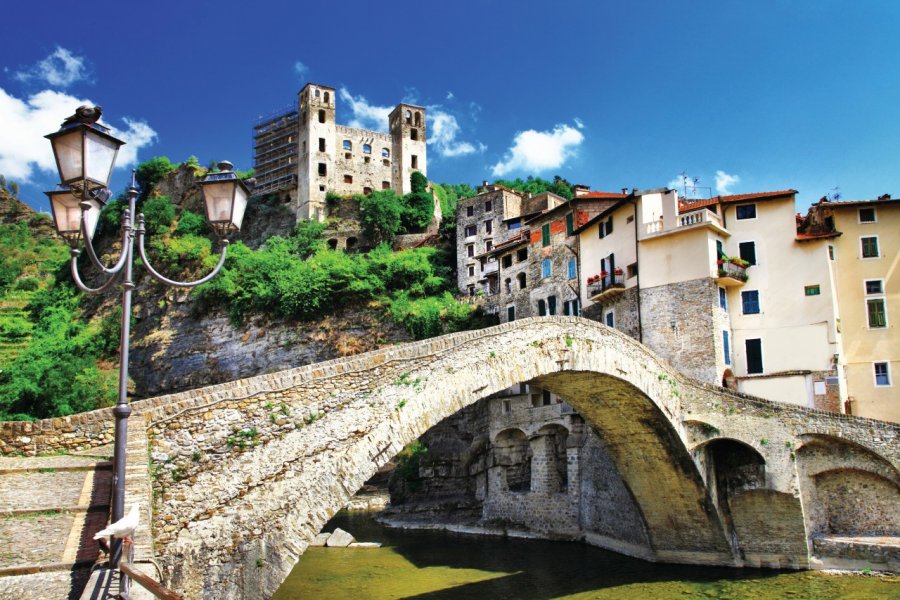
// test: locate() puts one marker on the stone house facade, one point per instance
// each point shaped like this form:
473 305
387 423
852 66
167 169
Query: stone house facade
305 154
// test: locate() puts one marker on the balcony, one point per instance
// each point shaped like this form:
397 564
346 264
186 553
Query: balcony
701 217
489 267
605 287
731 274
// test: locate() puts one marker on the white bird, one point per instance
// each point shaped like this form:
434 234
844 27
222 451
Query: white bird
124 527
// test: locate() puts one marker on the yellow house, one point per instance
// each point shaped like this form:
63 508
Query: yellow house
864 247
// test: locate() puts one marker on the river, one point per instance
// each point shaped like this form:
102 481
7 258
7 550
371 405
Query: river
436 565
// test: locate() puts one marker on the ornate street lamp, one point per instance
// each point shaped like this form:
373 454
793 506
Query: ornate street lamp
85 154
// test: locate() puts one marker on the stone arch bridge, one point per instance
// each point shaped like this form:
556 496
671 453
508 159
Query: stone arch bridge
245 474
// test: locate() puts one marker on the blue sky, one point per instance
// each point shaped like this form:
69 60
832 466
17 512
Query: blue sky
745 96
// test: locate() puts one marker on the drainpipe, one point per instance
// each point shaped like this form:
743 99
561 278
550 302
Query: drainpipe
638 260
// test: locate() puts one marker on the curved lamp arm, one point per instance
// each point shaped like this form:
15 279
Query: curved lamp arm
116 274
223 243
89 245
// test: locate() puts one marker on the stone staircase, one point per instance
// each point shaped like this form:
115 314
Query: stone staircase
50 508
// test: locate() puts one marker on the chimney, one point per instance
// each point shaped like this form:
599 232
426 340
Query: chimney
581 190
624 191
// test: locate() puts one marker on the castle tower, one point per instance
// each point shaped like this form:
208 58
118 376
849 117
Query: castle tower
317 150
407 123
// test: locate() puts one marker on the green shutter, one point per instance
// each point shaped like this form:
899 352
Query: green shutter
877 317
570 224
545 235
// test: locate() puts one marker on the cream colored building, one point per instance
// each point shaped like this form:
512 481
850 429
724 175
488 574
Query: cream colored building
767 329
863 241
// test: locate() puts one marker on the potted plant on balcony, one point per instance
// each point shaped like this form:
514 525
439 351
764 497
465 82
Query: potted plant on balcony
618 271
604 274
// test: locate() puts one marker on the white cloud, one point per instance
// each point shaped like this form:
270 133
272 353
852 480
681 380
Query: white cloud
444 129
724 181
25 123
60 69
301 70
578 123
365 115
450 96
538 151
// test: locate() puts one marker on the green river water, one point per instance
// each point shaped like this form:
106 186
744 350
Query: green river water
436 565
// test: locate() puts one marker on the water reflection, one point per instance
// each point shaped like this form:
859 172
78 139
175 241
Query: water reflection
445 566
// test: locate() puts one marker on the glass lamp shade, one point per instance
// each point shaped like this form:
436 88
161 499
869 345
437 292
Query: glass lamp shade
226 198
67 215
85 155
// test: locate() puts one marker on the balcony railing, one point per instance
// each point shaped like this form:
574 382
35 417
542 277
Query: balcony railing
606 286
700 216
731 274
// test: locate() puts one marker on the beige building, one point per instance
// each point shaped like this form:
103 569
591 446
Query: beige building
723 288
305 154
863 244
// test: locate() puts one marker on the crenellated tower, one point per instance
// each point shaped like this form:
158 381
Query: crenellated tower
317 150
407 123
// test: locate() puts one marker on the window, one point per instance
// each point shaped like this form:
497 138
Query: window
551 305
609 226
605 228
508 285
367 191
750 302
830 252
867 215
514 224
385 185
385 153
746 211
610 318
573 268
510 313
877 313
542 308
522 254
570 308
414 134
348 155
321 144
812 290
367 149
629 219
471 290
882 373
321 116
632 270
747 251
316 93
754 355
570 224
546 268
470 250
487 206
546 398
348 145
720 250
506 406
471 230
723 298
415 162
470 211
322 170
348 178
327 97
874 286
488 245
521 279
869 246
471 270
488 226
506 261
727 347
545 235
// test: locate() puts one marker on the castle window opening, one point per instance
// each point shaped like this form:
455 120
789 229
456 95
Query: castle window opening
367 149
408 117
418 118
321 116
322 170
385 153
414 134
470 250
470 211
327 97
348 155
386 162
367 190
385 185
415 162
348 145
487 206
522 254
488 245
351 242
317 93
332 243
321 188
471 230
488 226
321 145
508 285
506 261
348 178
471 270
367 160
521 278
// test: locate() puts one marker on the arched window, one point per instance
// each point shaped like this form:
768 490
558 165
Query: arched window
512 453
385 153
413 134
367 149
332 243
327 97
317 93
418 118
521 278
408 117
348 145
351 243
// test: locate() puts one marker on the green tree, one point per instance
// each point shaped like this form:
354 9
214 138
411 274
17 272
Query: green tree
191 223
381 215
159 212
149 173
308 238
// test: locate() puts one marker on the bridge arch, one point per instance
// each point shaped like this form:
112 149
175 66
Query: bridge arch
250 471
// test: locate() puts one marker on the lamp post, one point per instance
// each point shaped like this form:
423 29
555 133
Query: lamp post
85 153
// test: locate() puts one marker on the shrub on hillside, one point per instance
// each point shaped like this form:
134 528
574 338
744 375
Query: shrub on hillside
381 214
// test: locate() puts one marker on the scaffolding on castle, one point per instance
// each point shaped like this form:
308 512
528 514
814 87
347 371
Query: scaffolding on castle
275 141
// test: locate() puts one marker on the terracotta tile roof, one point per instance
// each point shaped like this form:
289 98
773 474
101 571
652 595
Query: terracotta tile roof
593 194
685 205
518 239
805 237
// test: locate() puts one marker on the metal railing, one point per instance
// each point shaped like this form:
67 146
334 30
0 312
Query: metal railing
128 573
606 283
